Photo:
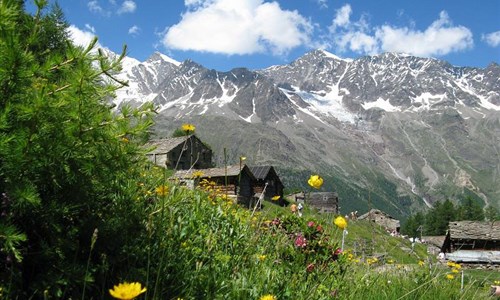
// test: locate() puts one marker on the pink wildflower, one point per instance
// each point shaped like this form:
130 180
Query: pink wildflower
310 267
300 241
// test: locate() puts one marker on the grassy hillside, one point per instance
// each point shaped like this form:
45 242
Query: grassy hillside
200 245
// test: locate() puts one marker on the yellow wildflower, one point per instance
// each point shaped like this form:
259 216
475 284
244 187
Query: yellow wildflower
162 190
268 297
452 264
125 140
340 222
315 181
450 276
455 270
188 127
421 263
127 291
197 174
276 198
262 257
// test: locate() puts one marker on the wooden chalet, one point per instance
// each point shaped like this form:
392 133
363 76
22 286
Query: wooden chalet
473 242
381 218
324 202
267 174
231 180
181 153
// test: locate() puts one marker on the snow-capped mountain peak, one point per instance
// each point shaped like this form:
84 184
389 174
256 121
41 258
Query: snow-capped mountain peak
331 55
160 56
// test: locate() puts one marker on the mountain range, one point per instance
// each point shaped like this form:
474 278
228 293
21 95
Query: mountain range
389 131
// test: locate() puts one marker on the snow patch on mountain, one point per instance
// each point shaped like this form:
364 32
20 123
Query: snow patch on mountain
331 55
328 103
128 63
382 104
249 118
228 95
465 86
169 59
426 100
307 110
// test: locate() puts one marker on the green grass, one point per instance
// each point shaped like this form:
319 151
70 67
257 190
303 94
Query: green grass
198 245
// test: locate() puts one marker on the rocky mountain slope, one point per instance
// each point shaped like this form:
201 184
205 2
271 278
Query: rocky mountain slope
391 131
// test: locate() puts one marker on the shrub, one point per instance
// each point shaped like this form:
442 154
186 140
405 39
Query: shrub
67 163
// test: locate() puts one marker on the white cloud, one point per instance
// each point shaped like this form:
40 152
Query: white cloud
322 3
360 42
80 37
492 39
342 17
238 27
95 7
90 27
440 38
128 6
134 30
195 2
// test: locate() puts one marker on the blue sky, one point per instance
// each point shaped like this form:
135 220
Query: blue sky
224 34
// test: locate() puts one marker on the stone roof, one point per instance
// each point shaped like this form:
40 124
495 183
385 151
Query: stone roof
322 197
475 230
212 172
435 240
164 146
381 218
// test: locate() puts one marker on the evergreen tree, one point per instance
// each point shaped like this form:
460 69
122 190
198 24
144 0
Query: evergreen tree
491 214
413 225
67 163
437 219
470 210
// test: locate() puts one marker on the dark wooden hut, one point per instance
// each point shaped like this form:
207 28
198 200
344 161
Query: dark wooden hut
181 153
231 180
473 242
267 175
